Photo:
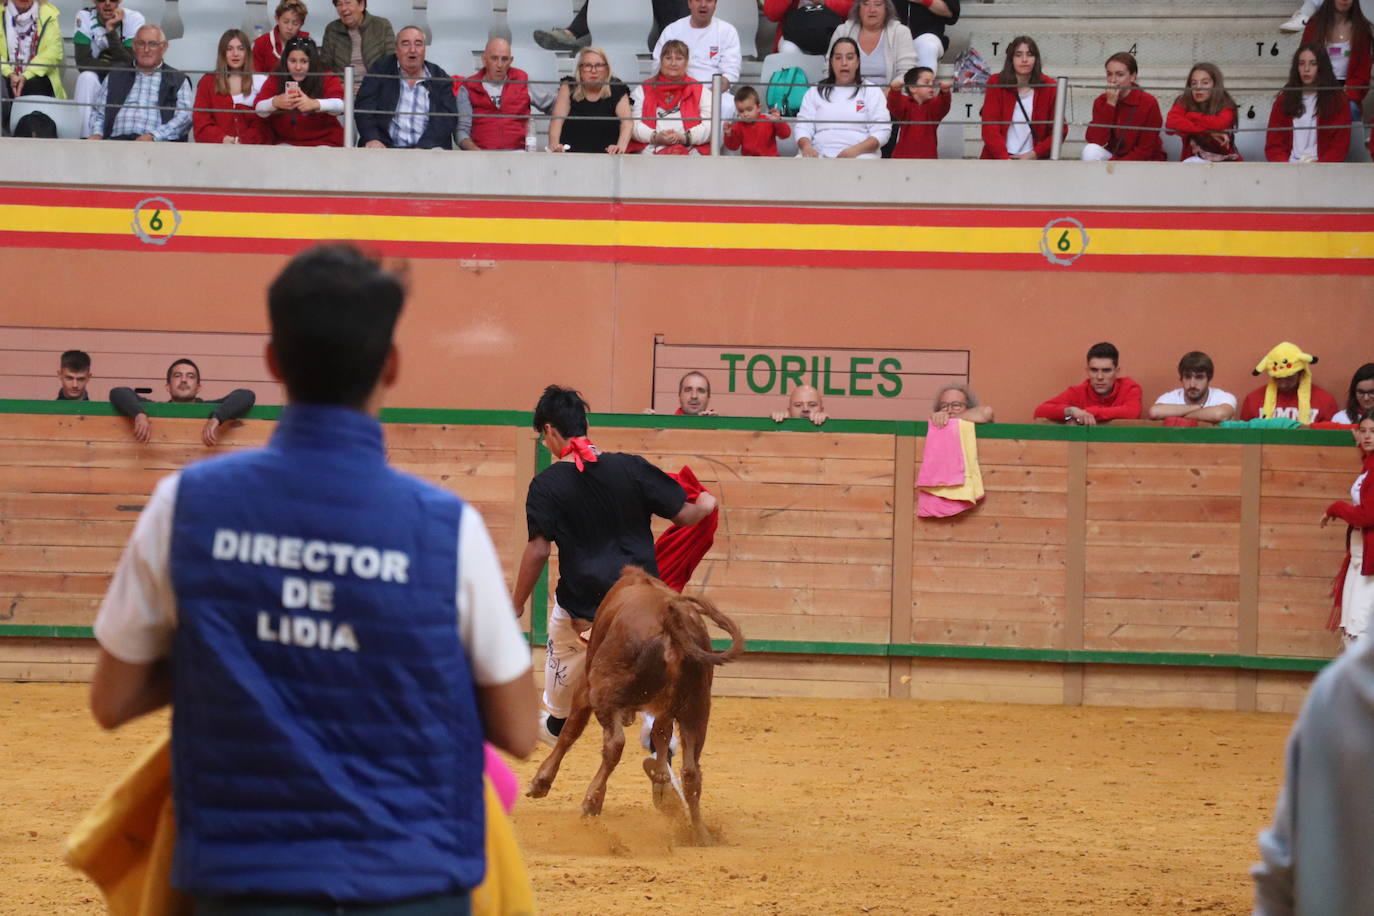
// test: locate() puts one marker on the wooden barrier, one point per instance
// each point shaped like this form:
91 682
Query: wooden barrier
1126 566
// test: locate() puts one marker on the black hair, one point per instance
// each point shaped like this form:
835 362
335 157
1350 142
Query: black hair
182 362
1352 403
1196 361
563 409
1104 350
827 83
76 361
914 74
313 84
1330 98
745 93
333 310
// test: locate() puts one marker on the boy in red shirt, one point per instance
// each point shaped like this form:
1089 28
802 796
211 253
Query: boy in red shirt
751 134
921 102
1289 390
1106 395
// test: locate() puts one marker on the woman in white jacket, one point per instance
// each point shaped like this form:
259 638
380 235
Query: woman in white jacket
885 49
842 117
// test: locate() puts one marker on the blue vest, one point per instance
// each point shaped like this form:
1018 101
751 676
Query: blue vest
326 742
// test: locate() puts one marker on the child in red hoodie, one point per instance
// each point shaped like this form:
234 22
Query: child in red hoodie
918 101
751 134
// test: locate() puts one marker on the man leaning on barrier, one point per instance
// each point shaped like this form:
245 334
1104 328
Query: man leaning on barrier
492 101
183 387
405 101
151 103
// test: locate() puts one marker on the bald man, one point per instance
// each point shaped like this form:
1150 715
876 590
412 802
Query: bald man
406 102
491 101
804 402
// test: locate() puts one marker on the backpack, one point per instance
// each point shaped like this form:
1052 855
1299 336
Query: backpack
786 88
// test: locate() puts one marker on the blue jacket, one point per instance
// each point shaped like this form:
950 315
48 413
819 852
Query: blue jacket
326 737
381 91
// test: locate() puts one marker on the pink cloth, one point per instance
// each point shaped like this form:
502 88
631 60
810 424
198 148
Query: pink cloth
928 505
502 778
941 466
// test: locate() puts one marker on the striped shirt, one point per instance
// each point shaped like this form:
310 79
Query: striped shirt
139 114
412 113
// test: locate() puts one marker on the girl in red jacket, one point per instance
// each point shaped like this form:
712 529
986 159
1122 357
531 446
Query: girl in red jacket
919 106
1354 589
1310 120
1126 119
299 102
290 16
1342 29
1205 117
224 99
1018 108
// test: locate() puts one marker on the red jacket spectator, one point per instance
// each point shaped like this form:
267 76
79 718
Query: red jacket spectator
1134 122
267 50
758 137
1323 405
213 126
1197 128
1333 134
775 10
493 133
303 128
1361 62
1123 403
918 140
998 105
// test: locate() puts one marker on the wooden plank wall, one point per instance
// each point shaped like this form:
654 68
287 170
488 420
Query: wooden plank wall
71 488
1113 546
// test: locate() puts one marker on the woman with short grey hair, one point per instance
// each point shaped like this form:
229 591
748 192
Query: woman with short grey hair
957 401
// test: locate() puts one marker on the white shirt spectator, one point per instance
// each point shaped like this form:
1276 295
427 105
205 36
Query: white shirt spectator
1215 398
852 114
89 31
1019 136
714 49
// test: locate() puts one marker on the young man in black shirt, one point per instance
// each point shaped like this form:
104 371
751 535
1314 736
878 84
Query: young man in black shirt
596 506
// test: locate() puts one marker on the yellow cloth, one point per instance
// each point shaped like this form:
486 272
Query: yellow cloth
972 487
1284 360
124 844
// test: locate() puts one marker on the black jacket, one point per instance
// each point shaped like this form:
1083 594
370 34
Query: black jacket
381 91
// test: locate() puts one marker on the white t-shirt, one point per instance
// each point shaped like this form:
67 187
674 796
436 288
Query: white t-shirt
138 615
1339 52
1305 130
1019 136
852 114
714 49
1342 417
89 30
1215 398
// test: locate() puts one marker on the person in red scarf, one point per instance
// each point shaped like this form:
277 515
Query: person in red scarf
1354 588
596 506
672 111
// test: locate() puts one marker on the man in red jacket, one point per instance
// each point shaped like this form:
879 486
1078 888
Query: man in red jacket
491 101
1106 395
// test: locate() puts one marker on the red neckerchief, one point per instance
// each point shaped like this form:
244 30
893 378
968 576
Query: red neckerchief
582 450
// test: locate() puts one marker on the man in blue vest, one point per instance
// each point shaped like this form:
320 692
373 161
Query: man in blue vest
151 103
335 639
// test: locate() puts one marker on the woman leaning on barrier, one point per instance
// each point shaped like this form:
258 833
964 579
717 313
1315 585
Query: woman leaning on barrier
1018 106
885 49
299 103
1342 28
1204 115
592 113
1310 120
224 99
842 117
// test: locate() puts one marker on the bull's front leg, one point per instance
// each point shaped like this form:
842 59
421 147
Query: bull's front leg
612 746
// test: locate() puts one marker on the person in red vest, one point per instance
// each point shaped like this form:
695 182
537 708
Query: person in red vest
1106 395
493 100
1126 118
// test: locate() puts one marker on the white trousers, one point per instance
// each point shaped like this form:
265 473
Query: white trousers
929 49
87 85
565 660
1093 152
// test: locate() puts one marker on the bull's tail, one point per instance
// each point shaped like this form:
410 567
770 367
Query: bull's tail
675 626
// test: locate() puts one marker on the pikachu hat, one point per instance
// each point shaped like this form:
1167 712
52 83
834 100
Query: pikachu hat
1281 362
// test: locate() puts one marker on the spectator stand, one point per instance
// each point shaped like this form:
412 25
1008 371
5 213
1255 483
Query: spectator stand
542 69
621 25
67 117
461 28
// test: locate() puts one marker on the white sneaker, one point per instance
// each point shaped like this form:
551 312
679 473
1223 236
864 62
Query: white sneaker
545 735
1297 23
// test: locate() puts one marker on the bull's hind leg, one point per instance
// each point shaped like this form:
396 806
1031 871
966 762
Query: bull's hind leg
692 727
572 730
612 746
657 766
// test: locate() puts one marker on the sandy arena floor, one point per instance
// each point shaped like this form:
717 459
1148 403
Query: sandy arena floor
821 806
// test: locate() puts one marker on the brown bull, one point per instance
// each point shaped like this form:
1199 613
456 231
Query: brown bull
648 650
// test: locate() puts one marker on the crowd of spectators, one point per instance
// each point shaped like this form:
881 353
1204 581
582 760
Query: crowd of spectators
404 100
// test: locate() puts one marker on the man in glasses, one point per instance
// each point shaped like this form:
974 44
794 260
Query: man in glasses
103 38
152 103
